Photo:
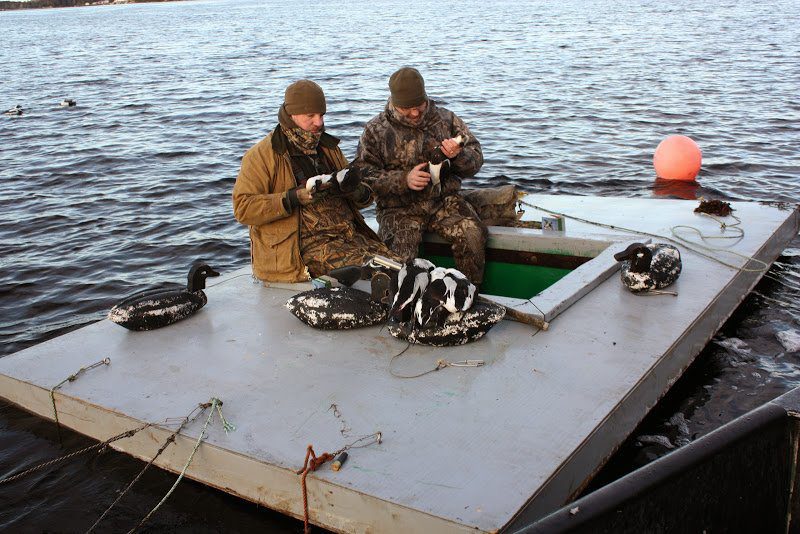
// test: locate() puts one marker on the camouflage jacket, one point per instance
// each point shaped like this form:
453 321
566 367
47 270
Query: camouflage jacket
388 150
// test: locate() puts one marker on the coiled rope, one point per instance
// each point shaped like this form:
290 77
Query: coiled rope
697 248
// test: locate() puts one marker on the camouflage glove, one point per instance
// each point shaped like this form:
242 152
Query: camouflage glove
299 196
362 196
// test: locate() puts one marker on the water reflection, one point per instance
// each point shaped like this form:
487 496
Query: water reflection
676 189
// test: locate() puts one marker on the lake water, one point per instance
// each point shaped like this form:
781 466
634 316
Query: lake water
133 184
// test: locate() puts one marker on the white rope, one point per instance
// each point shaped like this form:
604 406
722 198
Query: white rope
214 404
694 247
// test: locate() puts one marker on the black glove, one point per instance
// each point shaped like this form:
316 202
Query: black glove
362 195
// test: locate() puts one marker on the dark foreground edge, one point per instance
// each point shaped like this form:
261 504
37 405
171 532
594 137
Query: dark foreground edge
740 478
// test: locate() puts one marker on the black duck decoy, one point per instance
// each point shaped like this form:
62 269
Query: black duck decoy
159 307
649 267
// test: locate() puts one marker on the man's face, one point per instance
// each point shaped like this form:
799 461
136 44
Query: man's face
413 115
310 122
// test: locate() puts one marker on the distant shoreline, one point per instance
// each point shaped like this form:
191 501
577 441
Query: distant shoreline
6 5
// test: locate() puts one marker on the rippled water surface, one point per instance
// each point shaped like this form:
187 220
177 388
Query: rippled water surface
133 184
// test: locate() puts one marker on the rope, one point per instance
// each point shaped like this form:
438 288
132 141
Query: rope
655 292
440 364
170 439
71 378
226 426
312 462
215 403
229 279
677 240
307 467
105 443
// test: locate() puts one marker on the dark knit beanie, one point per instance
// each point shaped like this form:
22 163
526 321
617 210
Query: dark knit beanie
407 87
303 97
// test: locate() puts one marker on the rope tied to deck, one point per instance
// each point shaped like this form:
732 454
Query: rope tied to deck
312 462
102 445
226 426
171 439
214 404
697 248
440 364
71 378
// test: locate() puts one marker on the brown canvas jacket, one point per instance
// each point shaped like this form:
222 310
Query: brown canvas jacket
264 178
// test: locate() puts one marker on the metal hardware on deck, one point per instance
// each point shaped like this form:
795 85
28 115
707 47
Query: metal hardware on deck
339 460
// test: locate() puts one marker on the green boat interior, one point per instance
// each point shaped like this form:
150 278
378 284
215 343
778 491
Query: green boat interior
512 273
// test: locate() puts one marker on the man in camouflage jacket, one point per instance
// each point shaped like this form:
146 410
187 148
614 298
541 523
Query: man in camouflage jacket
394 151
295 234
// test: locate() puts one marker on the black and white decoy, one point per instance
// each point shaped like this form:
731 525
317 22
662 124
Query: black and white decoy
448 291
159 307
439 165
16 110
68 103
340 182
649 267
447 312
412 280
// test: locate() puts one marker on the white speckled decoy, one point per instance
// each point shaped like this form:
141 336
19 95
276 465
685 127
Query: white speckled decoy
649 267
155 308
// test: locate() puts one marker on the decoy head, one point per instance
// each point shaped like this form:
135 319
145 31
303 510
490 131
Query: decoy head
197 276
639 256
348 178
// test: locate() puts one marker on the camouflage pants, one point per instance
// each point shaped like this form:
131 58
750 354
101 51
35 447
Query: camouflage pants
332 248
452 218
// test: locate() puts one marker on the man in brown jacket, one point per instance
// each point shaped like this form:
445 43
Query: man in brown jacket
295 233
394 152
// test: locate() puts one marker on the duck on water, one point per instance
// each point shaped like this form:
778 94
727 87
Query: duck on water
16 110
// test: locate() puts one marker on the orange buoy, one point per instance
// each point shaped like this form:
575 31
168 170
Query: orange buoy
677 158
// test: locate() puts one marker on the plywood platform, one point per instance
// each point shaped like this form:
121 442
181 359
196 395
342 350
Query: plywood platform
463 448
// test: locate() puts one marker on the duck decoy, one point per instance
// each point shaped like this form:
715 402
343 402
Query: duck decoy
439 165
340 182
336 308
649 267
411 282
448 291
159 307
68 103
16 110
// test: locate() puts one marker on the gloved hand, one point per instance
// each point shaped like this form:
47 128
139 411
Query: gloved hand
299 196
362 196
